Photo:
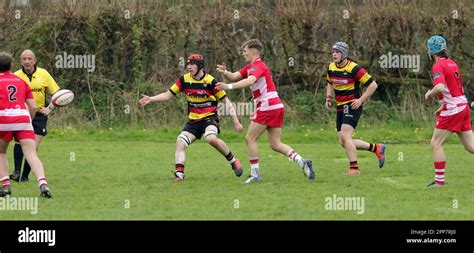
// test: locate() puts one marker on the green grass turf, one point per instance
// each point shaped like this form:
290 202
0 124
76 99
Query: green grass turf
122 175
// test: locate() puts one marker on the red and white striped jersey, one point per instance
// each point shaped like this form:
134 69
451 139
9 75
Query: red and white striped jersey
263 90
446 71
14 114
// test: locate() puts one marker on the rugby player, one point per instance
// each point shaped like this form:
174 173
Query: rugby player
200 90
454 115
345 79
17 107
269 112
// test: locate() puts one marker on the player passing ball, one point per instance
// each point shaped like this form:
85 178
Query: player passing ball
454 115
200 90
269 112
345 78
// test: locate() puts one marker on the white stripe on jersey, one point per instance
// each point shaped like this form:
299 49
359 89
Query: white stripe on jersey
16 127
452 103
265 95
14 112
272 107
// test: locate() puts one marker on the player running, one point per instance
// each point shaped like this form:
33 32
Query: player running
345 78
17 107
269 112
199 88
454 114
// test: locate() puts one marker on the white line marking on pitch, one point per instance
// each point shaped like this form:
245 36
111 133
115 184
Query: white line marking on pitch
396 184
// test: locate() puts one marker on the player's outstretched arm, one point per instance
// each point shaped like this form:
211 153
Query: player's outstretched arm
231 110
232 76
237 85
165 96
367 94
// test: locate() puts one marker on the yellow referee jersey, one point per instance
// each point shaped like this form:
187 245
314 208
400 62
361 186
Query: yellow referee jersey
40 82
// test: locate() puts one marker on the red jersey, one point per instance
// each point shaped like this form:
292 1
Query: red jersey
14 114
263 90
446 71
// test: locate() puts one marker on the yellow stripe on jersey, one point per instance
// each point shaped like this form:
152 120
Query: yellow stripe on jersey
40 83
366 77
175 89
220 94
343 86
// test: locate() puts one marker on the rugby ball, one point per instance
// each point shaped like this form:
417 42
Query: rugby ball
62 98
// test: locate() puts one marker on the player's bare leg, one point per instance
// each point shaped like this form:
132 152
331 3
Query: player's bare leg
4 178
274 137
26 166
254 132
351 146
29 150
211 138
345 138
467 140
437 141
182 142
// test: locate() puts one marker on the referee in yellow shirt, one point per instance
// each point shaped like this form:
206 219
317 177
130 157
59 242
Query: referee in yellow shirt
40 82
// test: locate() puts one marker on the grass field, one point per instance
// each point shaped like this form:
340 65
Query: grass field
121 175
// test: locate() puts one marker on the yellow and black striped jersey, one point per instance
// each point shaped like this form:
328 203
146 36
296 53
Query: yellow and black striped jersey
201 95
347 80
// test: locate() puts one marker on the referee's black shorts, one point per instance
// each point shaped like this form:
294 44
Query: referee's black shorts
39 124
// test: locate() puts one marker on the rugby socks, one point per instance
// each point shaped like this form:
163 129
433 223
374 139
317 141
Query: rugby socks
373 147
353 165
179 170
18 157
5 182
254 171
42 181
439 172
295 157
230 157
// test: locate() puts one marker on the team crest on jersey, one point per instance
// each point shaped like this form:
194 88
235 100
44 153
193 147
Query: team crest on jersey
253 69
